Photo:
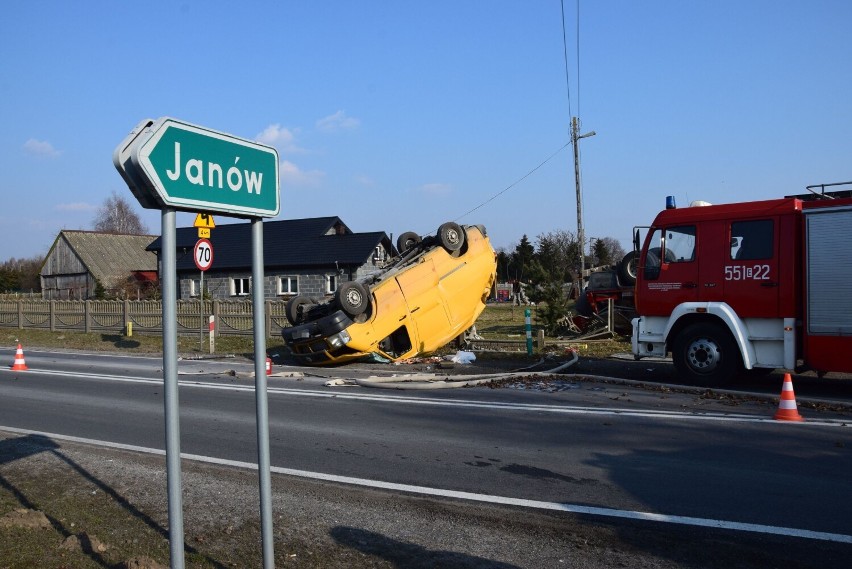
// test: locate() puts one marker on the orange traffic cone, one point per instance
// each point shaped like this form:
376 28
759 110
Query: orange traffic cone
787 410
20 364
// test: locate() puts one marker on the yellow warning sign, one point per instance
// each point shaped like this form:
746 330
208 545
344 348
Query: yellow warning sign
204 220
204 233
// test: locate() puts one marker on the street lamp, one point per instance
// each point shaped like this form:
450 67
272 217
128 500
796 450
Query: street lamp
581 237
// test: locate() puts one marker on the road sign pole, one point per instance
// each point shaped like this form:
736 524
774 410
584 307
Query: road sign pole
170 390
201 310
263 462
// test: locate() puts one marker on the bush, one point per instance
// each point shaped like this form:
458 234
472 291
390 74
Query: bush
553 306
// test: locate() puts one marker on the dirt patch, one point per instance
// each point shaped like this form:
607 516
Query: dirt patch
26 519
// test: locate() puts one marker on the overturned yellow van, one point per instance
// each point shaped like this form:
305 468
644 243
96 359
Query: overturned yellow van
433 291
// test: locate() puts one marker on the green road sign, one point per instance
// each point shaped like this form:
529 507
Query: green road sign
193 168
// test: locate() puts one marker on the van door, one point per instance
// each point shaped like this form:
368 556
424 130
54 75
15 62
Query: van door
669 270
751 272
421 288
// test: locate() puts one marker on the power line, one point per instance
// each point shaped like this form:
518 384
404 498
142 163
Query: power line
565 54
515 183
578 58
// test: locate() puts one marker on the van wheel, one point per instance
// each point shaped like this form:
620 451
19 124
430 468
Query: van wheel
705 354
451 236
352 297
627 269
406 241
294 310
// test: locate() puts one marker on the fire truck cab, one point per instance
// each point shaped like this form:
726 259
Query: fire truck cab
756 286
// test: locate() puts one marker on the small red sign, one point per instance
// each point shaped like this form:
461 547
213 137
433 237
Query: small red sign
203 254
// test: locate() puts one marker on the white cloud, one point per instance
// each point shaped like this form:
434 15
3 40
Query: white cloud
435 189
41 148
337 121
76 206
291 174
280 137
365 181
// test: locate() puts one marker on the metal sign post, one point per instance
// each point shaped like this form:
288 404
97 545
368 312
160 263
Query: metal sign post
173 165
261 403
170 380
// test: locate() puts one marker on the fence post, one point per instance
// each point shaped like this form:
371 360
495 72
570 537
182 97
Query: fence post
126 315
267 306
87 316
216 315
20 314
528 326
52 316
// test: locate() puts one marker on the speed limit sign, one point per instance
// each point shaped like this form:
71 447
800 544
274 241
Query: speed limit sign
203 254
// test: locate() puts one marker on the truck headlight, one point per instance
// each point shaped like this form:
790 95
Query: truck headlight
339 340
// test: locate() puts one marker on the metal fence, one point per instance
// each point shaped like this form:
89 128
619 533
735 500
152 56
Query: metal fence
231 317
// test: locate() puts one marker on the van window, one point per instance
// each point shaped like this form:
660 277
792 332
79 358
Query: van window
752 239
397 343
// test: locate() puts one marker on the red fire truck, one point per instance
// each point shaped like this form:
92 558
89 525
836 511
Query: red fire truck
747 286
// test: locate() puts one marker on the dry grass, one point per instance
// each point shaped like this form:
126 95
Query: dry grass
498 322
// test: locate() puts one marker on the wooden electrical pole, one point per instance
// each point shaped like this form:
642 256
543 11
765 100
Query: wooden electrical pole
581 236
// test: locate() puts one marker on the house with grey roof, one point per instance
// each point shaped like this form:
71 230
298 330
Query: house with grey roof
301 256
79 262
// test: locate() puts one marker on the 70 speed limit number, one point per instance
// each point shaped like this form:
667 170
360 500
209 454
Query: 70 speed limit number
203 254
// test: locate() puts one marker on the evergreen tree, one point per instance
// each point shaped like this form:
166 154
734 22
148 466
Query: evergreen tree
521 259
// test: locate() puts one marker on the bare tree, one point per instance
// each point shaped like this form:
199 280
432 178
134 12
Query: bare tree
558 253
116 215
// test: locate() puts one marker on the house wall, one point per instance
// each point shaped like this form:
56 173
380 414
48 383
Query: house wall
311 282
64 276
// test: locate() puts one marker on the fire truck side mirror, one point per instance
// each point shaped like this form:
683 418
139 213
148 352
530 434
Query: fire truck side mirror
636 243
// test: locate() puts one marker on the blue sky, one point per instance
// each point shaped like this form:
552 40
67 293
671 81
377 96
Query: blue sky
398 116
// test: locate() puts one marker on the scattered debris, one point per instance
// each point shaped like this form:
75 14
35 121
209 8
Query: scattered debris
142 563
461 357
84 543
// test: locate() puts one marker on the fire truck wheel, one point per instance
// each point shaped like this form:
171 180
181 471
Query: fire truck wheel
705 354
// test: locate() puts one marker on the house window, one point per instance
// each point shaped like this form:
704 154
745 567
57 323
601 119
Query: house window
379 255
330 283
288 285
240 287
194 287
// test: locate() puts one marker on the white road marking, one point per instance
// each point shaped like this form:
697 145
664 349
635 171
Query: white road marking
468 403
471 496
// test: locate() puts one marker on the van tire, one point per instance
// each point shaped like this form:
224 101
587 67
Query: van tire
406 241
627 269
451 236
293 311
353 298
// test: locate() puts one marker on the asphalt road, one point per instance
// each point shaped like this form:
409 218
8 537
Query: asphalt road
625 450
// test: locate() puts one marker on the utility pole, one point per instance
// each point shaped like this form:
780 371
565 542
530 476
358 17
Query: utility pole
581 236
